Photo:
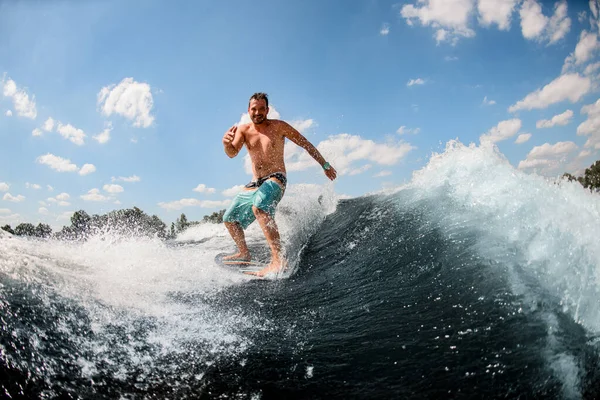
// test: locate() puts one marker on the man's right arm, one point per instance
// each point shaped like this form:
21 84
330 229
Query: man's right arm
233 140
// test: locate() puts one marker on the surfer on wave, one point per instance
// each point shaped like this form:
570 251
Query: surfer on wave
264 138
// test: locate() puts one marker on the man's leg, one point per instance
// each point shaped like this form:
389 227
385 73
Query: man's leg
237 233
269 228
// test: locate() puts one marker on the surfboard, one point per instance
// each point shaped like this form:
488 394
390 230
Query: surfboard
239 266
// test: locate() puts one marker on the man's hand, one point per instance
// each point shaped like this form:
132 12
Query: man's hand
233 140
229 135
331 173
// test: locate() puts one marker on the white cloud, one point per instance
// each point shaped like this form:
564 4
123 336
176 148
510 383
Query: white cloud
87 169
70 132
10 219
4 187
42 203
522 138
23 105
8 113
488 102
43 210
560 23
385 29
61 200
584 153
201 188
4 211
343 151
94 195
536 26
496 12
232 191
359 170
179 204
133 178
63 197
403 130
57 163
104 136
15 199
417 81
560 119
591 126
50 188
590 69
382 174
448 17
302 125
594 7
548 150
547 158
502 131
34 186
586 47
566 87
48 125
450 58
113 188
130 99
36 132
64 165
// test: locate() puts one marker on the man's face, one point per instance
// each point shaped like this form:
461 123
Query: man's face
258 111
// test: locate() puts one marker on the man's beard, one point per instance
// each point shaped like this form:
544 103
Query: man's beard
258 119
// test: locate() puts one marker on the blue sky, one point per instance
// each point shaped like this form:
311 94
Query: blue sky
110 104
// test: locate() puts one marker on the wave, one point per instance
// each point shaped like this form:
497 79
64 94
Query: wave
473 280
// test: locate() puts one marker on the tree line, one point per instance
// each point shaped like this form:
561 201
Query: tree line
590 178
131 221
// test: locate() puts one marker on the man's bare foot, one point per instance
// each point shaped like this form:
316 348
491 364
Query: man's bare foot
273 268
238 257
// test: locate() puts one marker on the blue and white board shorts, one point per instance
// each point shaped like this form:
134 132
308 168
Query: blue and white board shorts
265 198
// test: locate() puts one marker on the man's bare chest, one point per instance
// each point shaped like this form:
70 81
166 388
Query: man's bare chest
256 140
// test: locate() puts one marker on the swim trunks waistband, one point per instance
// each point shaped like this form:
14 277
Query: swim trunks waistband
278 175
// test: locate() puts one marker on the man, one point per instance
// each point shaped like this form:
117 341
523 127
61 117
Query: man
264 138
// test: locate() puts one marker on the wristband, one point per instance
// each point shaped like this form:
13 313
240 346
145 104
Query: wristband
326 166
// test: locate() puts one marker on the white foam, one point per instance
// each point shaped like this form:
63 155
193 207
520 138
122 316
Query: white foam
121 280
548 227
555 227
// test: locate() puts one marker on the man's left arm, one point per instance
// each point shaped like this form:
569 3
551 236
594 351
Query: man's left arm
300 140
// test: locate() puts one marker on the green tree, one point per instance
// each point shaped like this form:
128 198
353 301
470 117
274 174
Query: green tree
158 227
215 218
591 177
80 221
172 232
43 230
182 223
569 177
8 229
25 229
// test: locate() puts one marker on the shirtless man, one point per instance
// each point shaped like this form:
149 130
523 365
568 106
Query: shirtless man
264 138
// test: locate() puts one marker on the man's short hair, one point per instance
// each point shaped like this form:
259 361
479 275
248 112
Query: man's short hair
259 96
